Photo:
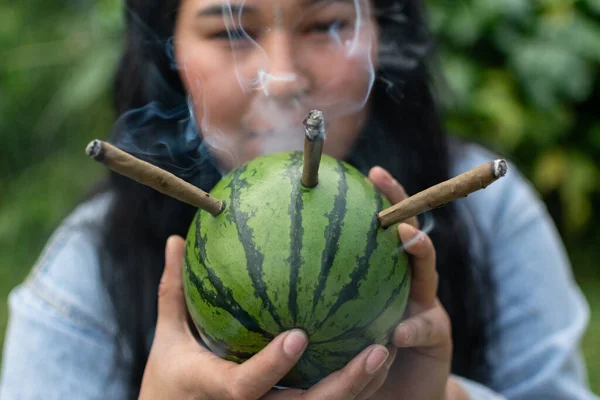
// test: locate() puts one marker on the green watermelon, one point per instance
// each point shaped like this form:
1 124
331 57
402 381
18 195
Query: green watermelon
284 256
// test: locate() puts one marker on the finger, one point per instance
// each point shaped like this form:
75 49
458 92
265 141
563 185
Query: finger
391 188
424 281
387 184
349 382
172 312
427 329
260 373
381 376
372 387
284 394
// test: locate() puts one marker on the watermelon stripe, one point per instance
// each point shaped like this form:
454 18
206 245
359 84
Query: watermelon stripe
295 260
360 330
350 290
308 367
314 259
341 353
221 348
315 363
332 233
395 258
395 293
254 257
223 298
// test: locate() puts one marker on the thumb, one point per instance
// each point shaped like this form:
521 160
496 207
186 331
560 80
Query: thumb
172 312
390 188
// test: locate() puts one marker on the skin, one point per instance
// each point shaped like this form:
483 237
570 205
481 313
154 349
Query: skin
416 364
250 95
281 68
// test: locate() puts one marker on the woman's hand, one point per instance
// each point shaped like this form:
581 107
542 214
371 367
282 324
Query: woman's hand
422 367
179 367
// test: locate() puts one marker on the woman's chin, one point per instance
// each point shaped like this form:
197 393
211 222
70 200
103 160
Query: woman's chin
253 145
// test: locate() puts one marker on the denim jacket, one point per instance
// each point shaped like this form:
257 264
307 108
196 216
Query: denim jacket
62 340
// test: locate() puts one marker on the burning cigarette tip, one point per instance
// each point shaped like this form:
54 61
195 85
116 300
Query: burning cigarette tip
460 186
314 118
94 148
314 125
152 176
500 168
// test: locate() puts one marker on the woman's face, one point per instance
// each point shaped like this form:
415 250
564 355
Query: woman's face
255 68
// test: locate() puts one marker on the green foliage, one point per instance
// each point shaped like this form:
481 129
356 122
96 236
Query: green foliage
523 78
57 66
55 74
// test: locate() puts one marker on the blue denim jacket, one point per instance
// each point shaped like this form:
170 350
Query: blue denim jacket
61 339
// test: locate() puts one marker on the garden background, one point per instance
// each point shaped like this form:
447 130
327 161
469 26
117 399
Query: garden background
520 76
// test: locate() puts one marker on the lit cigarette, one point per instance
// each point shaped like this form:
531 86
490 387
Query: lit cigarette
314 127
442 193
153 176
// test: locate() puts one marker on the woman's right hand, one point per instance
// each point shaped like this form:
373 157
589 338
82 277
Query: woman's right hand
179 367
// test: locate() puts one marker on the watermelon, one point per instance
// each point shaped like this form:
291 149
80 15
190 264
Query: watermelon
283 256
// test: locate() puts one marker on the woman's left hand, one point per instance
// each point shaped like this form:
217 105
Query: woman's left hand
422 366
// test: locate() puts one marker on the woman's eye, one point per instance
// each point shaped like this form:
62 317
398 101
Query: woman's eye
232 34
329 26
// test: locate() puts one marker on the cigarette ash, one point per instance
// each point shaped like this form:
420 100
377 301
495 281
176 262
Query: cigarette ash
314 125
500 168
94 149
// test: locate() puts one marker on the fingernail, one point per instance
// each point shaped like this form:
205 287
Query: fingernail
413 230
376 359
405 336
388 178
294 343
417 234
388 362
410 230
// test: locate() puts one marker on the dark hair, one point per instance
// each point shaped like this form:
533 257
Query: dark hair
403 134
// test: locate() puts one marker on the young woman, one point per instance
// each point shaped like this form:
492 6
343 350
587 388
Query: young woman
205 85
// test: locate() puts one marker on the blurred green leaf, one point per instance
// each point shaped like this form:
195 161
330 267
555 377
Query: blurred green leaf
550 170
594 5
495 100
549 73
523 78
594 135
88 81
580 180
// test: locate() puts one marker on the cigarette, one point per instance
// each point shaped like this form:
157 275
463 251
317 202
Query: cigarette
436 196
314 127
153 176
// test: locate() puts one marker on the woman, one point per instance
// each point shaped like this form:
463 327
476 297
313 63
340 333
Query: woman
498 315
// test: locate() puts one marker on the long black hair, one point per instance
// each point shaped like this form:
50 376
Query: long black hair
403 134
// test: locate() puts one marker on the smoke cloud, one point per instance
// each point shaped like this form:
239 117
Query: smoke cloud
176 140
168 139
280 120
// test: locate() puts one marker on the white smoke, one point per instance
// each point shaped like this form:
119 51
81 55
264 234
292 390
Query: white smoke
280 120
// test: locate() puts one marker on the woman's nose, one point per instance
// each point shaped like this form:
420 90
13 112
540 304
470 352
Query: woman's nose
284 77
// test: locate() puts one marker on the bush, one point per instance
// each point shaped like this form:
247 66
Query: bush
523 78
